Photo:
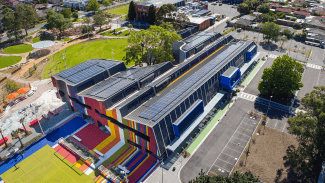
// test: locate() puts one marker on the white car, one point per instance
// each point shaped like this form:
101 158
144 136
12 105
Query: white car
214 3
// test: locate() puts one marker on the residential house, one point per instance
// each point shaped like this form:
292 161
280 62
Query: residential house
316 22
55 1
283 27
248 17
275 5
242 23
301 14
301 9
285 22
40 7
57 9
315 35
284 10
41 14
14 4
76 4
321 12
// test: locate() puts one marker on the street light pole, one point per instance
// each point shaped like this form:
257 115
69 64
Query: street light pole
269 105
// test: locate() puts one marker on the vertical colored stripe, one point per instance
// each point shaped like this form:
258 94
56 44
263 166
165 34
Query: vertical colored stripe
148 145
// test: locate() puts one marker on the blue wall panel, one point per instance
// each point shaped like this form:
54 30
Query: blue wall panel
230 82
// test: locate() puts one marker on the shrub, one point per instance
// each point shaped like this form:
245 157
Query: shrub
174 168
297 26
293 19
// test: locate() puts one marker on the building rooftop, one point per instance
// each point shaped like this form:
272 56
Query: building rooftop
85 70
317 21
301 13
158 3
157 107
248 17
243 22
197 39
284 10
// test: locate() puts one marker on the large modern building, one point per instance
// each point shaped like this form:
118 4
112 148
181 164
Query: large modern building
158 105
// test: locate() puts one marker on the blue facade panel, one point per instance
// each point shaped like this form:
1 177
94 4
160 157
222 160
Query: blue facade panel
183 124
230 82
251 52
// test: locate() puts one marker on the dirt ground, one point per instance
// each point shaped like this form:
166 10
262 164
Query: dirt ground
37 75
266 155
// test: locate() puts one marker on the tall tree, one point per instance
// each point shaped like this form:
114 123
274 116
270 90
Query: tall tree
11 24
265 8
131 13
93 5
26 15
106 3
282 78
75 15
309 128
66 12
49 13
16 134
100 19
164 12
243 8
271 31
236 177
3 138
22 123
150 46
151 14
180 21
59 22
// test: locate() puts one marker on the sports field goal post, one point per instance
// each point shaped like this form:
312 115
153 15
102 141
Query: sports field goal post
75 150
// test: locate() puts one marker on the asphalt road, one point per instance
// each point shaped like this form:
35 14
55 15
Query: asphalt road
5 38
309 79
214 144
223 10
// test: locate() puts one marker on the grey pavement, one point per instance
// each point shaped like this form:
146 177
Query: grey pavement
212 147
310 79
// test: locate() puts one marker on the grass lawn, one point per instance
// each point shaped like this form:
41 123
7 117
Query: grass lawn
110 33
8 61
119 11
45 165
23 48
38 39
67 39
78 53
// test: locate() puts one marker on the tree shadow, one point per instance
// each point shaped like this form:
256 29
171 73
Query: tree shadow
279 174
271 113
269 46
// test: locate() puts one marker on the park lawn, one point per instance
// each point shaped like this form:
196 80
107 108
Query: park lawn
110 33
38 39
45 165
119 11
78 53
23 48
8 61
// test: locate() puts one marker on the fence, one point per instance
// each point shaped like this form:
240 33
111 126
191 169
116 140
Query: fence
3 79
273 104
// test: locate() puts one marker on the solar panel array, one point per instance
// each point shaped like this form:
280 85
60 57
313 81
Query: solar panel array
103 86
77 68
197 40
106 64
137 73
155 111
80 76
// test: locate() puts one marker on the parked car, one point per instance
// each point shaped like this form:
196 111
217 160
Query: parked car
239 30
220 4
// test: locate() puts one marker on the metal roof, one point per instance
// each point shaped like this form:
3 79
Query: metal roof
197 39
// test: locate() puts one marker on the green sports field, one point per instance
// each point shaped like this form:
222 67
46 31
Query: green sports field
45 165
78 53
123 10
8 61
18 49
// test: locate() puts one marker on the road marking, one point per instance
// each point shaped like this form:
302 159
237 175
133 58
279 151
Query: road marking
242 133
247 96
314 66
225 161
237 144
238 138
229 155
284 127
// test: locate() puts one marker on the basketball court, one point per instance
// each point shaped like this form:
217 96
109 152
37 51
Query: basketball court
45 165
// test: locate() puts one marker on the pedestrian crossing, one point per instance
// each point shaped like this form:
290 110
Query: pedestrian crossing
314 66
247 96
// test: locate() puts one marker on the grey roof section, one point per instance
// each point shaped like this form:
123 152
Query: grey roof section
248 17
202 12
230 71
119 81
159 3
317 21
243 22
164 102
85 70
197 39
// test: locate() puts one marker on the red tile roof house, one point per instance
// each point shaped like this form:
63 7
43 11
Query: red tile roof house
301 9
275 5
301 14
284 10
321 12
8 1
14 4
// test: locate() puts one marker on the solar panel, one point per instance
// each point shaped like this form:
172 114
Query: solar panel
108 92
77 68
107 84
85 74
137 73
106 64
165 103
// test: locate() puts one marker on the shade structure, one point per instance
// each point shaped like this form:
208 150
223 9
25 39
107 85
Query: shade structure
43 44
23 90
12 95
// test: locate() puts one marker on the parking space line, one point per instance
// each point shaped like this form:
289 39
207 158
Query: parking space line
238 138
237 144
249 125
229 155
225 161
233 149
318 77
242 133
246 127
276 123
220 168
284 127
226 144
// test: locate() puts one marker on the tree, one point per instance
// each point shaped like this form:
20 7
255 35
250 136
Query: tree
75 15
87 29
100 19
22 123
6 10
271 31
93 5
282 78
66 12
130 26
150 46
309 128
237 177
24 17
3 138
49 13
287 33
16 134
11 25
106 3
265 8
297 26
151 15
180 21
59 22
281 15
165 12
243 8
131 13
267 17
